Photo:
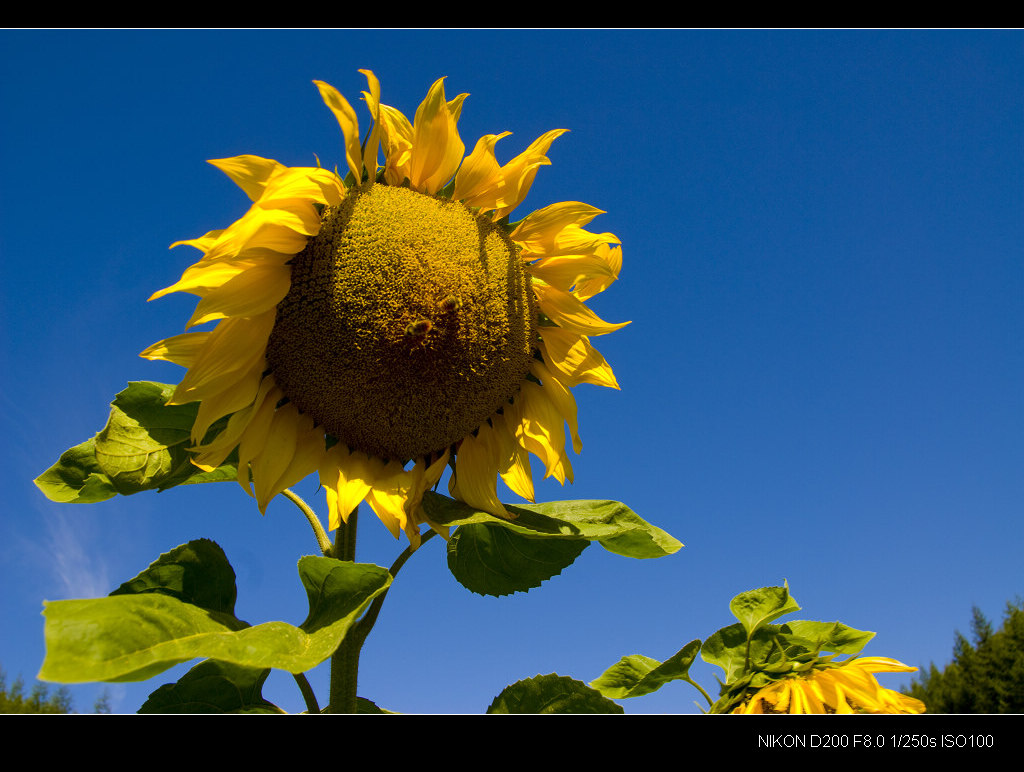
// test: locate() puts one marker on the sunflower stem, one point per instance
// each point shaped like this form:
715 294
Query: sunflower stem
312 706
345 660
345 539
699 689
318 529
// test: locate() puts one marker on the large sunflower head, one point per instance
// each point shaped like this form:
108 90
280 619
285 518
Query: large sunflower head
847 687
378 326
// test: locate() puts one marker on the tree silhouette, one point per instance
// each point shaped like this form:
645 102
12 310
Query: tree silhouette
984 677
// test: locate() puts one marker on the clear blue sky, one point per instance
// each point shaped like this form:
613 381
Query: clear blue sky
822 237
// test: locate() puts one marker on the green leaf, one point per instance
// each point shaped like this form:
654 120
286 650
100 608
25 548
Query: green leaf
213 687
198 573
612 524
551 694
490 560
144 446
370 707
134 637
334 588
828 636
636 675
76 478
755 608
728 648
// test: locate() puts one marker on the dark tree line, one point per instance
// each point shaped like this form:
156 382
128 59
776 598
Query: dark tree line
985 676
40 699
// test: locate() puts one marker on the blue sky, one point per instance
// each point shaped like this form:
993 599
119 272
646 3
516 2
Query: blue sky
822 236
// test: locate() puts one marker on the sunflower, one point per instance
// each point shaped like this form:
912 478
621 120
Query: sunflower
379 327
849 687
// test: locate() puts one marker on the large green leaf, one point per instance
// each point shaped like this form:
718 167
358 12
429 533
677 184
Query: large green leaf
496 561
612 524
198 573
144 446
637 675
551 694
213 687
828 636
732 650
133 637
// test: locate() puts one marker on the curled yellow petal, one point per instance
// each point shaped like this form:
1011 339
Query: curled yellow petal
436 147
249 172
349 124
478 182
372 99
179 349
347 477
518 174
476 471
576 361
570 313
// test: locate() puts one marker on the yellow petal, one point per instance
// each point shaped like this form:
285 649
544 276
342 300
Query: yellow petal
212 455
254 439
239 395
575 360
543 226
347 477
203 243
561 397
179 349
518 174
309 451
476 473
396 140
349 124
231 350
570 313
252 292
372 100
568 271
425 476
599 281
249 172
437 149
543 431
515 459
478 181
275 455
387 498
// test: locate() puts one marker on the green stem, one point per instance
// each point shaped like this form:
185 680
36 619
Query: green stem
699 689
321 535
345 660
312 706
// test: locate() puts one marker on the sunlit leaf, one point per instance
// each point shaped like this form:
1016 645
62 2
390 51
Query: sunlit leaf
759 607
637 675
134 637
612 524
144 446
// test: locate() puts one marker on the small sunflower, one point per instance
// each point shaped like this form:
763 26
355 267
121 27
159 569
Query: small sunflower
379 327
849 687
